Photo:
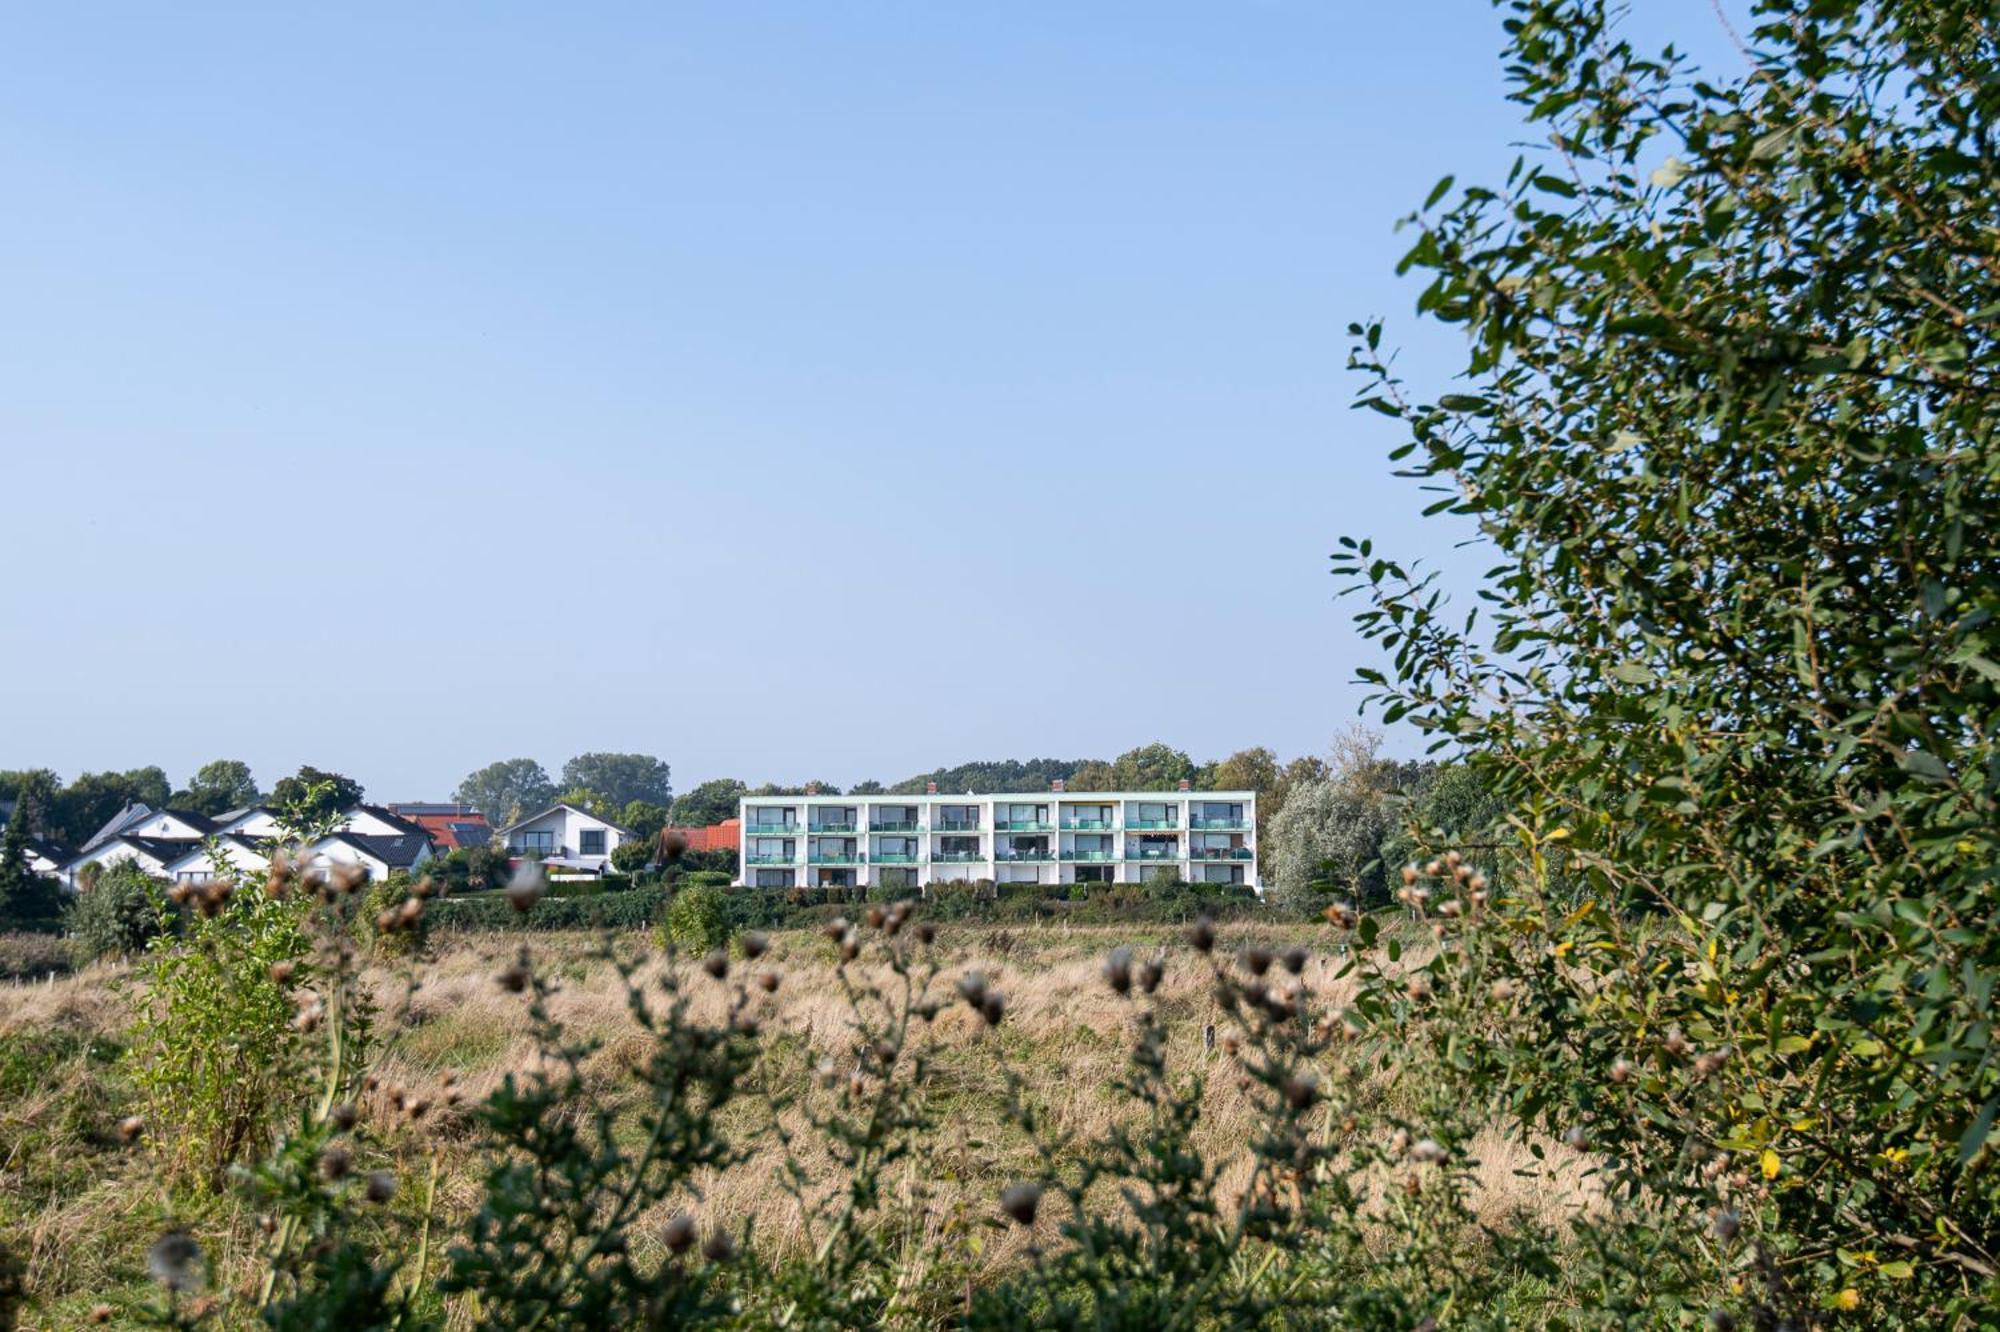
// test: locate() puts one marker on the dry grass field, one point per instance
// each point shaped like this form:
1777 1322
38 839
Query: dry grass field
80 1208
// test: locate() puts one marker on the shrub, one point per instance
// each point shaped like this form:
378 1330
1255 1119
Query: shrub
1727 427
215 1050
118 916
633 909
695 921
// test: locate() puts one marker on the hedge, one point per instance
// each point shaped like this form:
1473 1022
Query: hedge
631 909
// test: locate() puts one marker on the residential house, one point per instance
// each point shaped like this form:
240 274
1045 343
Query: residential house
564 837
453 827
380 856
46 857
226 853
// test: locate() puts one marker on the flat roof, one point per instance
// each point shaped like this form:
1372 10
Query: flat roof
954 797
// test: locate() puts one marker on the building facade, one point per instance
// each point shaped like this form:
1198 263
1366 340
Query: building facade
1052 836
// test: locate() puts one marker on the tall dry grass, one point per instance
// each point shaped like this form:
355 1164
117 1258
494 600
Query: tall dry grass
448 1034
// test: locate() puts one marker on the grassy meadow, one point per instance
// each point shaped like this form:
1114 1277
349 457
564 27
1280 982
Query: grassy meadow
80 1206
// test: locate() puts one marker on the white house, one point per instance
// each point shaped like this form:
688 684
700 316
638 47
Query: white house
232 854
46 858
564 837
380 856
151 855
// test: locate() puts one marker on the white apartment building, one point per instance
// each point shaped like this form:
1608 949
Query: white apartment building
1053 836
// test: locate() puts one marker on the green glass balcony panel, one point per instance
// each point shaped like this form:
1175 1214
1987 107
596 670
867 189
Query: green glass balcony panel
833 827
1025 857
1152 853
1219 825
956 825
773 830
1024 825
957 857
1221 853
848 859
1090 855
893 825
1152 824
773 860
893 858
1089 825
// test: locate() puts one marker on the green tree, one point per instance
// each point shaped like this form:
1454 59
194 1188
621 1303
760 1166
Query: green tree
621 778
1092 775
117 916
507 791
37 789
642 819
1154 767
869 787
1727 424
27 901
711 802
314 795
218 786
87 803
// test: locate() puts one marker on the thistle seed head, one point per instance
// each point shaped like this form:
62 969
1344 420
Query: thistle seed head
1021 1202
678 1234
526 886
1118 969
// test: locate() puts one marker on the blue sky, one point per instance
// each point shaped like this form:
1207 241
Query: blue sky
786 390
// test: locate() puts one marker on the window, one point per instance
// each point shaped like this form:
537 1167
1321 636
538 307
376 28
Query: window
592 841
194 876
777 878
535 843
1150 813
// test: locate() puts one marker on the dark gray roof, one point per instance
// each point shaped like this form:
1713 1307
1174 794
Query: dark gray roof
395 852
395 820
118 823
48 850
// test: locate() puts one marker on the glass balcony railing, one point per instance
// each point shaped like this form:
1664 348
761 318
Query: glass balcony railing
833 827
1024 825
1150 825
1221 853
1220 824
1089 825
772 858
1090 855
773 829
956 857
834 858
1152 853
893 858
956 825
1020 857
895 825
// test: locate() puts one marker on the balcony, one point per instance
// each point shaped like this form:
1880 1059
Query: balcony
1090 855
1089 825
837 828
956 857
835 858
1152 825
893 858
895 826
1152 853
1023 825
774 858
956 825
1221 853
1024 857
1220 825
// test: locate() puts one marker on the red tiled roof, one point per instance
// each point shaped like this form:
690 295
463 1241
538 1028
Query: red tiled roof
441 829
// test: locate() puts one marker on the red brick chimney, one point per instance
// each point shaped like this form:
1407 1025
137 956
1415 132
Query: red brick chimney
1056 786
930 788
1186 785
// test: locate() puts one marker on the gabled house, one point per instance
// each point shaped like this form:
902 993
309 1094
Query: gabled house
232 853
173 825
152 855
564 837
380 856
256 822
453 827
122 821
47 858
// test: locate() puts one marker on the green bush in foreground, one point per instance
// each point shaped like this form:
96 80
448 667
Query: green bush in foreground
1728 420
695 920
